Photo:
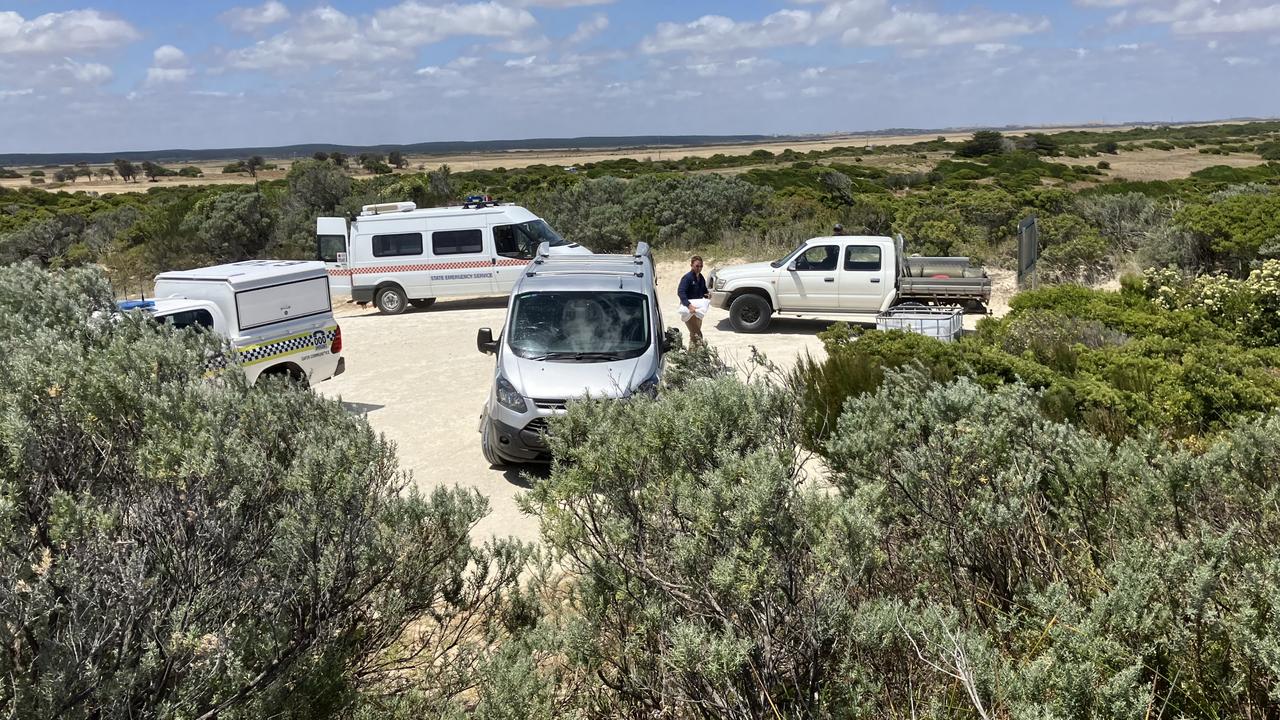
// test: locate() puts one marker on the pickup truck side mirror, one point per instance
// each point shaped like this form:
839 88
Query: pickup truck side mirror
671 340
792 266
485 342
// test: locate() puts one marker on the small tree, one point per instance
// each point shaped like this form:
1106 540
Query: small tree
321 156
1110 147
36 173
253 165
397 159
983 142
338 158
126 169
191 171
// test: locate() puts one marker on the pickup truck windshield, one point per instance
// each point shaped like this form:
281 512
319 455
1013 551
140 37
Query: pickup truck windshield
783 261
580 326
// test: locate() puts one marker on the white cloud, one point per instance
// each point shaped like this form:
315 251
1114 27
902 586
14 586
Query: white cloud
711 33
559 3
166 76
416 23
168 67
589 28
15 93
1194 17
1259 19
63 32
169 56
88 73
326 35
1247 61
855 22
253 19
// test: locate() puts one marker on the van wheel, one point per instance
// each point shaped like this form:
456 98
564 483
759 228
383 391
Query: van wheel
391 301
486 446
750 313
423 303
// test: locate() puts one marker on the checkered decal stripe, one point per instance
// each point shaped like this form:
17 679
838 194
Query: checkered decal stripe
424 267
287 346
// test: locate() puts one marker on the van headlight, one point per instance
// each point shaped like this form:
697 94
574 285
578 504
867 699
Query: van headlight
717 283
509 398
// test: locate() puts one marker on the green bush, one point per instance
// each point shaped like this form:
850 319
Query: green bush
176 546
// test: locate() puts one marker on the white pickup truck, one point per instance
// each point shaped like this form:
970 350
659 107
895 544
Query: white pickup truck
844 275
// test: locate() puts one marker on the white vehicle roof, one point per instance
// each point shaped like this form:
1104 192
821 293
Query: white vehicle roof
250 274
593 273
512 212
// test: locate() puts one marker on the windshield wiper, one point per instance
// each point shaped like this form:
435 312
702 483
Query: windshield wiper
607 356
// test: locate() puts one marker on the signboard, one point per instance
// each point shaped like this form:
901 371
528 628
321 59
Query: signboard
1028 250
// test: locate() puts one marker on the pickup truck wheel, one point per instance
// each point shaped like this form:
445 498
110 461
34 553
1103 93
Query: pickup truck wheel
750 313
423 303
391 301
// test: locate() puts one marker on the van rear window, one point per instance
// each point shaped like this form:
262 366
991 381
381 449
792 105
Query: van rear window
457 242
398 244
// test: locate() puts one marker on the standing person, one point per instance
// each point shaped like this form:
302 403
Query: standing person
693 287
839 229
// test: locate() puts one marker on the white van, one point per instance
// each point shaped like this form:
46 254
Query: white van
576 327
275 313
395 254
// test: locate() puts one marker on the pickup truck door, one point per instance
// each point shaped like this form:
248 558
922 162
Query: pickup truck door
864 277
809 282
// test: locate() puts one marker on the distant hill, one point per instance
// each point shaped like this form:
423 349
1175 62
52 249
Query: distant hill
425 148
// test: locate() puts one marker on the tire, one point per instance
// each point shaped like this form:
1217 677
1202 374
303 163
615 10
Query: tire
486 447
391 301
422 303
750 313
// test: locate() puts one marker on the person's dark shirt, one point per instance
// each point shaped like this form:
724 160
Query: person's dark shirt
692 287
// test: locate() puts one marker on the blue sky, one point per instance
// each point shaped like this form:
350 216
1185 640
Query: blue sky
148 74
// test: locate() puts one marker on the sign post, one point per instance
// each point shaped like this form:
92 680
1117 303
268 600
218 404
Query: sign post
1028 251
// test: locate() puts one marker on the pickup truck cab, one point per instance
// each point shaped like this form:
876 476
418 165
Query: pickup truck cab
847 274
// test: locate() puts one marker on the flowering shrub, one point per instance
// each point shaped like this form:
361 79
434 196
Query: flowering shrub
1249 308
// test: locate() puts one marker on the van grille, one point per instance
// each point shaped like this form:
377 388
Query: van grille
549 403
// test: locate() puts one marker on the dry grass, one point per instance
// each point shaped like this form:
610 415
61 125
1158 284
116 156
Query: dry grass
1148 164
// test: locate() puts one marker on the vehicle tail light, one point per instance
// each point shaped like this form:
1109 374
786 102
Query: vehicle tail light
336 346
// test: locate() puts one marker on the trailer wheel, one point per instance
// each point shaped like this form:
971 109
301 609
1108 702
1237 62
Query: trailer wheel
391 301
750 313
422 303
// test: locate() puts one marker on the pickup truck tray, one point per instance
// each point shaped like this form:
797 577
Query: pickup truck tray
957 290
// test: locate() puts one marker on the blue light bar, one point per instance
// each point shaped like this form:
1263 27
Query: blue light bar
135 304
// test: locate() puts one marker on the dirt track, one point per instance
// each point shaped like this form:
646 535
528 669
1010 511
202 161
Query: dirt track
419 379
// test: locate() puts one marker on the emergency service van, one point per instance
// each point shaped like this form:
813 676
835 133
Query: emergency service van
276 314
395 255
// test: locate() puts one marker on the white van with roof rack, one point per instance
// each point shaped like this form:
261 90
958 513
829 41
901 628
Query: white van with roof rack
577 326
276 314
395 254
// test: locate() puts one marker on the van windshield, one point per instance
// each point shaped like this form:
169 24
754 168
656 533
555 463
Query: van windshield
580 326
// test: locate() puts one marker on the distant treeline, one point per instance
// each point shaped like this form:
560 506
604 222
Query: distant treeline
427 148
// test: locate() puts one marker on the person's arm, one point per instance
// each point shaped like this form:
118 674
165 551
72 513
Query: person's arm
685 282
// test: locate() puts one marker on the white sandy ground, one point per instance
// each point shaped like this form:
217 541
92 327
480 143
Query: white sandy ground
419 380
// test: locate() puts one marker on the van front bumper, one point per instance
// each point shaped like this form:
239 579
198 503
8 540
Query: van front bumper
720 300
519 445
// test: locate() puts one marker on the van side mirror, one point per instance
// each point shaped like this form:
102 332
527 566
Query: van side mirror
485 342
792 266
672 340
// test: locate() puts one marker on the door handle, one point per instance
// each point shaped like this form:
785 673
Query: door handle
828 279
875 280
